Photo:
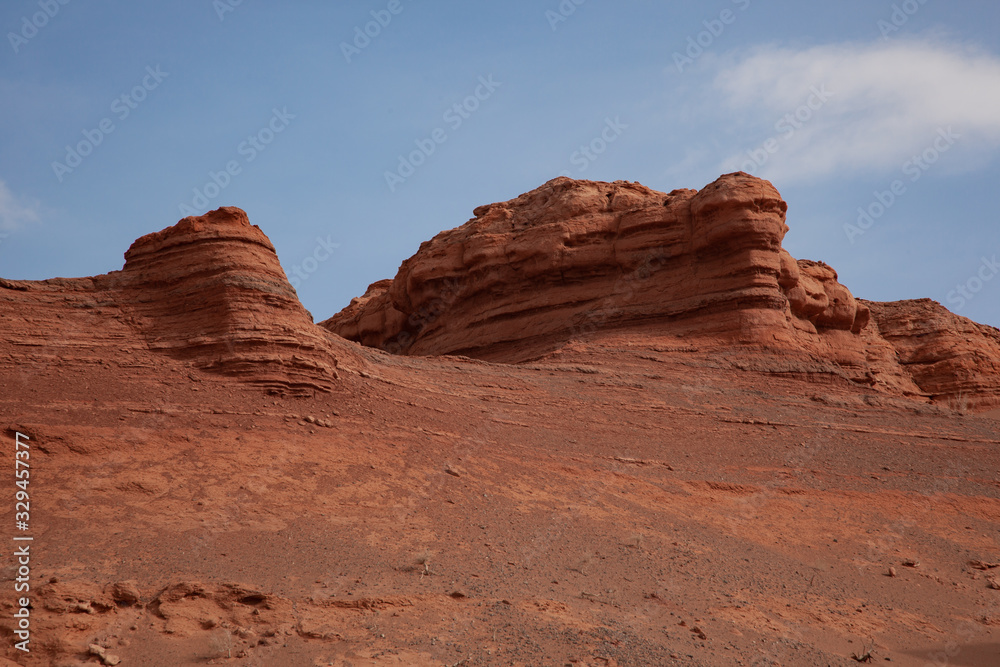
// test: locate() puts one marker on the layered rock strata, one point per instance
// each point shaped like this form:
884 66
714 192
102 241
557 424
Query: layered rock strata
211 290
575 258
569 260
208 292
951 358
578 256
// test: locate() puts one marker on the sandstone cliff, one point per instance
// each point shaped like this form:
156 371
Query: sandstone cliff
572 259
950 357
681 398
208 292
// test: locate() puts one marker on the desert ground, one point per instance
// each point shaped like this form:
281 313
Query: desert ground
637 494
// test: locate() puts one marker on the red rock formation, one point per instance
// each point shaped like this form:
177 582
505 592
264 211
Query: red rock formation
566 261
951 358
182 517
208 292
572 258
815 296
577 256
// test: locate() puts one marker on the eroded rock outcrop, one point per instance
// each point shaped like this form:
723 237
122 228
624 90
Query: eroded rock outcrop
577 256
569 260
572 258
816 297
951 358
208 291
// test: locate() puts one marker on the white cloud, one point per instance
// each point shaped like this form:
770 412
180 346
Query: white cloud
14 214
889 99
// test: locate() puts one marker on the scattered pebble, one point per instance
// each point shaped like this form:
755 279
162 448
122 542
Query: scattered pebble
102 653
983 565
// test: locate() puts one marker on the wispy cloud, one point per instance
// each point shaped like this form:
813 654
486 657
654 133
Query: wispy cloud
14 211
887 100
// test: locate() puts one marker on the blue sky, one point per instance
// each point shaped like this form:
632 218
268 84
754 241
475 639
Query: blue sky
879 122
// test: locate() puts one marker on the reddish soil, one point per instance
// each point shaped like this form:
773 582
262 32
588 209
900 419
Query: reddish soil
216 480
637 500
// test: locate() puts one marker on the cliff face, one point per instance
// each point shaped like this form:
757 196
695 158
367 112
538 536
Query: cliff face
572 259
211 290
951 358
204 487
208 292
576 256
